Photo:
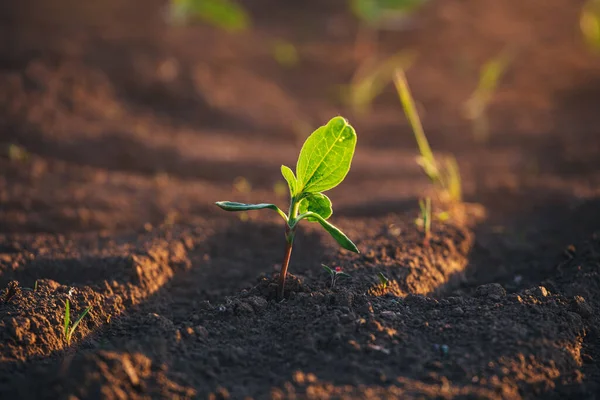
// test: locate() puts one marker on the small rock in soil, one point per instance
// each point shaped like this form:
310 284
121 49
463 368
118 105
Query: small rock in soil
343 299
494 291
258 303
457 312
579 306
244 309
539 291
389 315
201 331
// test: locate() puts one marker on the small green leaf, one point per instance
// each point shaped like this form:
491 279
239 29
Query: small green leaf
67 318
329 270
83 314
290 178
317 203
325 157
335 232
382 279
233 206
343 275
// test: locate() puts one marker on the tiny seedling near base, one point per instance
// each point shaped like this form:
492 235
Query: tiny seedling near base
383 280
424 220
447 175
323 164
69 329
335 274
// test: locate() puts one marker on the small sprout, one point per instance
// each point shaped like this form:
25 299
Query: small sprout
424 220
371 78
335 274
447 175
383 280
324 162
69 329
35 286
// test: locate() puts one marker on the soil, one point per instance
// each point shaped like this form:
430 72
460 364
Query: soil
118 133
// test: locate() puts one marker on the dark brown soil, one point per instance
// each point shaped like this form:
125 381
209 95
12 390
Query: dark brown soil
129 130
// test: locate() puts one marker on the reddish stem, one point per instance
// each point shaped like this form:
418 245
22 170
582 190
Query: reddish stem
286 262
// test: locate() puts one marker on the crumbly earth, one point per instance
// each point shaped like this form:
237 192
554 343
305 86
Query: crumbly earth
117 134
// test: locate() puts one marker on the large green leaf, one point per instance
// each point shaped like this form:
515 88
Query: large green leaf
335 232
233 206
317 203
288 174
325 157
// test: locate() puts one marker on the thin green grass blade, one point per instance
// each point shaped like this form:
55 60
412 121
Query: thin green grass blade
412 115
67 319
83 314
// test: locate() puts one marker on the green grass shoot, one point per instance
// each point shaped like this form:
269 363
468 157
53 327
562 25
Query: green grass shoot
424 220
68 329
446 176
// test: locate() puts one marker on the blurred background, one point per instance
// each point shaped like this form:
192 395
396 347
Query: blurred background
115 114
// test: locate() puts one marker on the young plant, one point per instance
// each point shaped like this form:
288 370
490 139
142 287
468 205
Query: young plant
69 329
335 274
424 219
447 175
383 280
323 164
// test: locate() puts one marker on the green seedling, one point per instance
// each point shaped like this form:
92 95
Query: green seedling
475 108
335 274
383 280
323 164
424 220
224 14
446 176
69 329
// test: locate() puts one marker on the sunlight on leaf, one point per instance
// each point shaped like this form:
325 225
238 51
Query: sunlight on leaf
325 157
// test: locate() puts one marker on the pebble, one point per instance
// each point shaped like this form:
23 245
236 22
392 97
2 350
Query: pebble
457 312
494 291
258 303
539 291
244 309
389 315
201 331
581 307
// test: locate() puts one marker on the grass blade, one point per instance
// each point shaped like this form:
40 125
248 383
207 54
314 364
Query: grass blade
67 319
83 314
412 115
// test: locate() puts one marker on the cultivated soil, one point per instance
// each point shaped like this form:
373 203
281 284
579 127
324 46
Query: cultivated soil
118 133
